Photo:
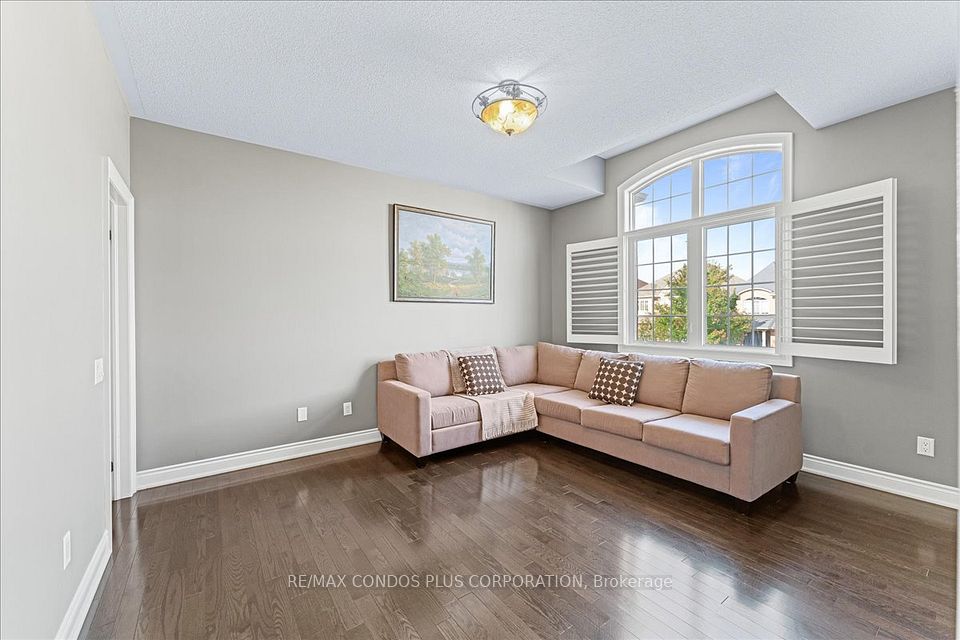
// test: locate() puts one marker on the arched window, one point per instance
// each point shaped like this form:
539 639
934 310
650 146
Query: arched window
714 258
699 237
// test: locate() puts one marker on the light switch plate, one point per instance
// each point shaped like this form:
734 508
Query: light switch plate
98 371
301 414
348 408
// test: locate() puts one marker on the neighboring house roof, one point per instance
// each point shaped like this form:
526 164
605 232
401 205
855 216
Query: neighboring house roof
660 283
766 324
766 275
766 286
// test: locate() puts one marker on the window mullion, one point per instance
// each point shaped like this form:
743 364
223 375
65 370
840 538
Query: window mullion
695 285
630 254
696 201
695 253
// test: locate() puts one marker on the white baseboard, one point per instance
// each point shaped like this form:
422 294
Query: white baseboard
924 490
246 459
72 622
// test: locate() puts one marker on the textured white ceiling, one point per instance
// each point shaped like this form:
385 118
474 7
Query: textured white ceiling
388 86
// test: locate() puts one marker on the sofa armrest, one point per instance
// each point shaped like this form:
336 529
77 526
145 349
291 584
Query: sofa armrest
403 415
766 447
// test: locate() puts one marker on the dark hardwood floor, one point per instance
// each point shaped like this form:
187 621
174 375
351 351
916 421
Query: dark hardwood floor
211 558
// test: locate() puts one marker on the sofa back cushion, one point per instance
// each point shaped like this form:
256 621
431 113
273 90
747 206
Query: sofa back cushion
557 364
719 389
428 370
459 386
663 381
481 374
589 364
518 365
617 381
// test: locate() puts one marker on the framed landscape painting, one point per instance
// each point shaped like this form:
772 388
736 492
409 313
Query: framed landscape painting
442 257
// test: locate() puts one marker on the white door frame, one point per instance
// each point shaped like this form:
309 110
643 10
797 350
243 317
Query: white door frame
121 354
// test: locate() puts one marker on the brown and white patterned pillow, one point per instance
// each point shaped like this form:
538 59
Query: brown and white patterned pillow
481 375
616 381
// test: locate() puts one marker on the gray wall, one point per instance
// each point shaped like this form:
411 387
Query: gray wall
864 414
61 112
263 284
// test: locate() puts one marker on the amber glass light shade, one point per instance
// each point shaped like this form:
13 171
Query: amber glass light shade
509 116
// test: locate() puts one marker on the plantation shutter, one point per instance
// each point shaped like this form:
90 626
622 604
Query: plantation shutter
593 301
839 275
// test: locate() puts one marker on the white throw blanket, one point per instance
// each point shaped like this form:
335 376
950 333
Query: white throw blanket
507 412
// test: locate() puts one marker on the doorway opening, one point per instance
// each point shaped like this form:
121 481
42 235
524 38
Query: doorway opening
120 361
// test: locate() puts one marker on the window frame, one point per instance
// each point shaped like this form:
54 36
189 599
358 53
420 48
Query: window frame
695 228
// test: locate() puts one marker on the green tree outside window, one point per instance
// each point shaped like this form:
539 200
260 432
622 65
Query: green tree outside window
725 324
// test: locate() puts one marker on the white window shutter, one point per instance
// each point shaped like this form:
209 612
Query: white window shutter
838 275
593 300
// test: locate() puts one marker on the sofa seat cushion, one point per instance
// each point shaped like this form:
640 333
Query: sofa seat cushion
565 405
623 421
696 436
450 411
538 389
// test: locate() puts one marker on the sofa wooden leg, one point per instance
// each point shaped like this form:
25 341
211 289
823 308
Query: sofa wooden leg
792 479
743 506
421 463
384 438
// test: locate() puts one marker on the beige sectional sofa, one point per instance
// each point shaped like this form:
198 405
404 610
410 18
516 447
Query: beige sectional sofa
733 427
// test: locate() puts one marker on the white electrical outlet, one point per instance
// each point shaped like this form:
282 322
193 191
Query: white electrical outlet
98 371
924 446
66 549
301 414
348 408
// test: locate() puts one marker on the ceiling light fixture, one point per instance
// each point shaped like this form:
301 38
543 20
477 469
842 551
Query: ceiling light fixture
509 107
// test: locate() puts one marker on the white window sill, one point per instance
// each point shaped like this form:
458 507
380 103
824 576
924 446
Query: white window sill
765 356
